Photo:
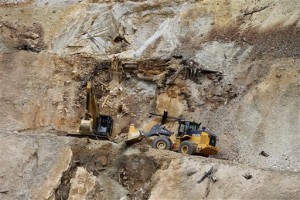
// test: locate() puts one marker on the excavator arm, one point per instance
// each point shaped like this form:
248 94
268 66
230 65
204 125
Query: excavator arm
94 124
89 123
92 108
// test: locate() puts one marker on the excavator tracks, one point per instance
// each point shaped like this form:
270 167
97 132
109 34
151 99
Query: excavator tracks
90 136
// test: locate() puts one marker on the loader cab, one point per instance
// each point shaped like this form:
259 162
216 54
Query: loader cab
104 125
187 128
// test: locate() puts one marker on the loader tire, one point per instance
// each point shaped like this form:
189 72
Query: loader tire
162 143
187 147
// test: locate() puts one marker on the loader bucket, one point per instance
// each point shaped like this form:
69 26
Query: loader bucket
134 135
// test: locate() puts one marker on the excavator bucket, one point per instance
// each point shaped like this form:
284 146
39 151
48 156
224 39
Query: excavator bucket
134 135
86 126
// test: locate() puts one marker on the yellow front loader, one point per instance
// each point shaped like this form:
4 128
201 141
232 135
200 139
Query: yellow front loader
189 139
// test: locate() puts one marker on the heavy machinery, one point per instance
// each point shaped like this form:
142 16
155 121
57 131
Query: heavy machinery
189 139
94 125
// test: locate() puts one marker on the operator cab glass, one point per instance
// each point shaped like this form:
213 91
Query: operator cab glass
104 125
187 128
194 126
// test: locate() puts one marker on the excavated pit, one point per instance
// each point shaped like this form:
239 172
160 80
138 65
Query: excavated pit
127 167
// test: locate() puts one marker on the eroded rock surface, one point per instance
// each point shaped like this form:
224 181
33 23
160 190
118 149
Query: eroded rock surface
32 166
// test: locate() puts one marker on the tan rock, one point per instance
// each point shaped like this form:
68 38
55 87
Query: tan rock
46 189
81 184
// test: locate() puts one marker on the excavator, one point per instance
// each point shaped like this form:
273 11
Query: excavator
94 125
190 138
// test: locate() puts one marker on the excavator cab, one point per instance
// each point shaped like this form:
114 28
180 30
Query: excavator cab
104 125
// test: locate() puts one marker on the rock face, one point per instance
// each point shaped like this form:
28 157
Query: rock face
32 166
174 182
51 167
81 184
232 65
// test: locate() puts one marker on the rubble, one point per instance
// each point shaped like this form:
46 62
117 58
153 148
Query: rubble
206 175
247 176
214 179
28 38
263 153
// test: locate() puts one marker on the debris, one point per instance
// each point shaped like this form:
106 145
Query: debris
104 102
103 84
103 160
67 82
27 47
213 178
177 56
31 35
247 176
255 10
99 170
172 78
263 153
189 63
120 108
206 174
88 141
4 191
124 198
190 173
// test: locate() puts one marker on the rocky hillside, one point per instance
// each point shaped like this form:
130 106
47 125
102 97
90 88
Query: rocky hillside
52 167
232 65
